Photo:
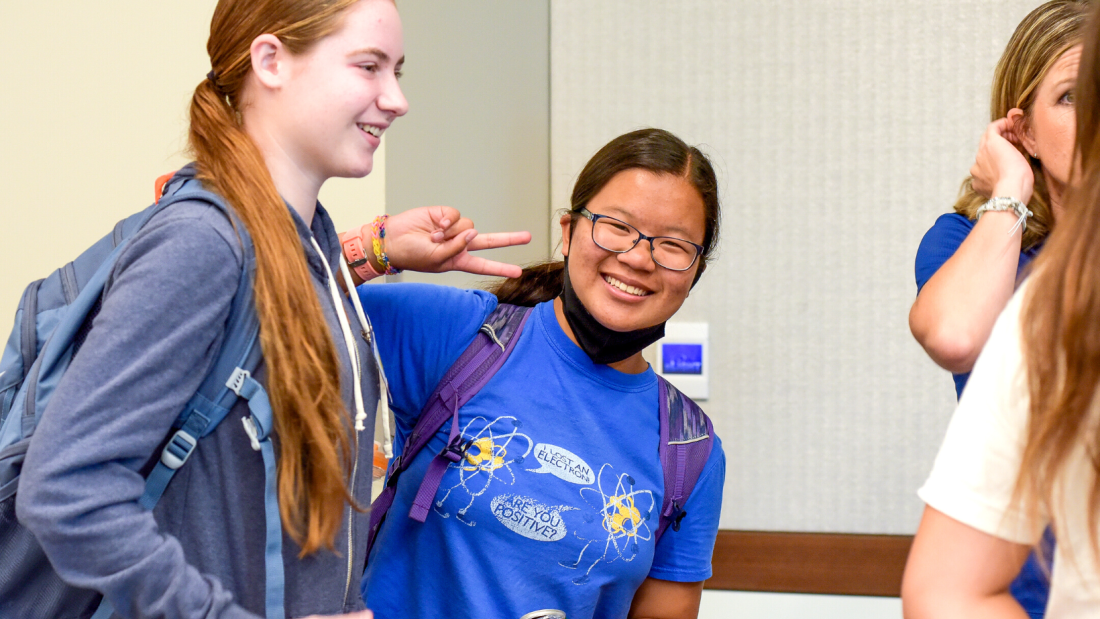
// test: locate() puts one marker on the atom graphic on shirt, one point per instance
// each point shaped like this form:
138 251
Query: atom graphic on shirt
623 519
486 460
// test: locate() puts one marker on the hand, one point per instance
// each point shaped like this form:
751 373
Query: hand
1000 169
433 239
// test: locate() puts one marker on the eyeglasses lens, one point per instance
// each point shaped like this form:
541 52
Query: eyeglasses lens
669 252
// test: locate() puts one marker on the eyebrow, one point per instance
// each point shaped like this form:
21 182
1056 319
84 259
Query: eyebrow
620 212
377 53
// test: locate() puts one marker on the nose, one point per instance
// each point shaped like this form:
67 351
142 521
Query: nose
640 257
392 100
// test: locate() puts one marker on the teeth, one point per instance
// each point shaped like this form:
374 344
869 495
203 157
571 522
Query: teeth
375 131
638 292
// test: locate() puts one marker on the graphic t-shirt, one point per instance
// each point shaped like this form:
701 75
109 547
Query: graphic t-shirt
557 500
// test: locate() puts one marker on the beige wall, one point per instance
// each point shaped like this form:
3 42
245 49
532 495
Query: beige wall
477 135
93 109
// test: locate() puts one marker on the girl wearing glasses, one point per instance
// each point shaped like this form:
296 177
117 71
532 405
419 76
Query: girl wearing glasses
548 509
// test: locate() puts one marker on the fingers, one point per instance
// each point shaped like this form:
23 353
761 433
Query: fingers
481 266
451 247
451 228
1001 127
494 240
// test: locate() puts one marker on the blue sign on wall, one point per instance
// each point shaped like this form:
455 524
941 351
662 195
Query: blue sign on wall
682 358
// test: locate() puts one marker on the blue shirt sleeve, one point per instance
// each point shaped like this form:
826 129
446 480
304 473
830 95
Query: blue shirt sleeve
421 329
940 243
685 555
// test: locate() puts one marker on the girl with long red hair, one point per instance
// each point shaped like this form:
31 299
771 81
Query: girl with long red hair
299 92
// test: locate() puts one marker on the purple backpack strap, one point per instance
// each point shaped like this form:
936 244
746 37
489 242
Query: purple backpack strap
473 369
686 441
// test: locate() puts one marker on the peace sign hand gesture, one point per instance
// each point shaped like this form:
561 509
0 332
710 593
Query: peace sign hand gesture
434 239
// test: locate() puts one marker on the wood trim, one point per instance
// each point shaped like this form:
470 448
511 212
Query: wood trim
825 563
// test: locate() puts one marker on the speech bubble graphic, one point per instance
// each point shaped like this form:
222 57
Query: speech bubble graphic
529 518
563 464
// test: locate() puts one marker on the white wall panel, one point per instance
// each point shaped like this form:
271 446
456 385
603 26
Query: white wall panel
840 130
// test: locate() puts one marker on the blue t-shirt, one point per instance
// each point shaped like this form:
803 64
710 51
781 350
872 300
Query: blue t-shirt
557 501
1032 587
938 245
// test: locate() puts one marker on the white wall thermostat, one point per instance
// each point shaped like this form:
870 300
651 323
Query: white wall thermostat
683 358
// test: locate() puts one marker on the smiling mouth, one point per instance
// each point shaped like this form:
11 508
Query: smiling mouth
371 129
638 292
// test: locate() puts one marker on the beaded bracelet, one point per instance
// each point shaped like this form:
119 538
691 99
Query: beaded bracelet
378 242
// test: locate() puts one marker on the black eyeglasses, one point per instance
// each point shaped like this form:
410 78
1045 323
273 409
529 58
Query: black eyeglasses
617 236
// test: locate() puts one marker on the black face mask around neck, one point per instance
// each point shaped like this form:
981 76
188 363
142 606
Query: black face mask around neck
601 344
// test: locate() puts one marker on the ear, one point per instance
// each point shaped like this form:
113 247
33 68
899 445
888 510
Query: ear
269 60
566 223
1022 129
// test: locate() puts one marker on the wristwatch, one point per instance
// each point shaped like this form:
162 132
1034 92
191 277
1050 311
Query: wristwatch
1007 204
352 244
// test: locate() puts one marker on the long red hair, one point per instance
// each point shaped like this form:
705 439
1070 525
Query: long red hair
312 425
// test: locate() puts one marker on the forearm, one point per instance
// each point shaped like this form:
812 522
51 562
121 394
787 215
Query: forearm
664 599
955 311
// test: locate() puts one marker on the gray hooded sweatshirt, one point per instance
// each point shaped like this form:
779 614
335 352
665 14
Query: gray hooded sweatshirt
200 552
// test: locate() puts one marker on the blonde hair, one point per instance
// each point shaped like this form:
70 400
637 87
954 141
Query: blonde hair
312 425
1040 39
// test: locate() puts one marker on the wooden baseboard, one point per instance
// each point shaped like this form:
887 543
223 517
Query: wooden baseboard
824 563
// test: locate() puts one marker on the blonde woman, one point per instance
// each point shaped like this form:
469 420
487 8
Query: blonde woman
1020 453
970 261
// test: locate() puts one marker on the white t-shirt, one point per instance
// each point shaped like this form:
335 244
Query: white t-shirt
977 466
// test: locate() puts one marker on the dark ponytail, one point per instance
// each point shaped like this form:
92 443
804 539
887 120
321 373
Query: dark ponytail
538 282
654 150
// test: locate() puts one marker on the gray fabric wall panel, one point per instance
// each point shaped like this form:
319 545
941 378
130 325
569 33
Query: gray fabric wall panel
840 130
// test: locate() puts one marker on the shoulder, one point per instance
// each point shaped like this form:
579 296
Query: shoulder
420 299
421 330
187 233
186 257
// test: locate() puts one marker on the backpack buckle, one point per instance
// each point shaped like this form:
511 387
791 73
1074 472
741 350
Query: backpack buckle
253 432
455 451
178 450
678 514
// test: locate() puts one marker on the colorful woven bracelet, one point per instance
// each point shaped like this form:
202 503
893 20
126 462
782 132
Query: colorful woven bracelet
378 242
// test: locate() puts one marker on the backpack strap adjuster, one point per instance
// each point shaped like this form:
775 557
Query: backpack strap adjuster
237 381
455 451
178 450
394 471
